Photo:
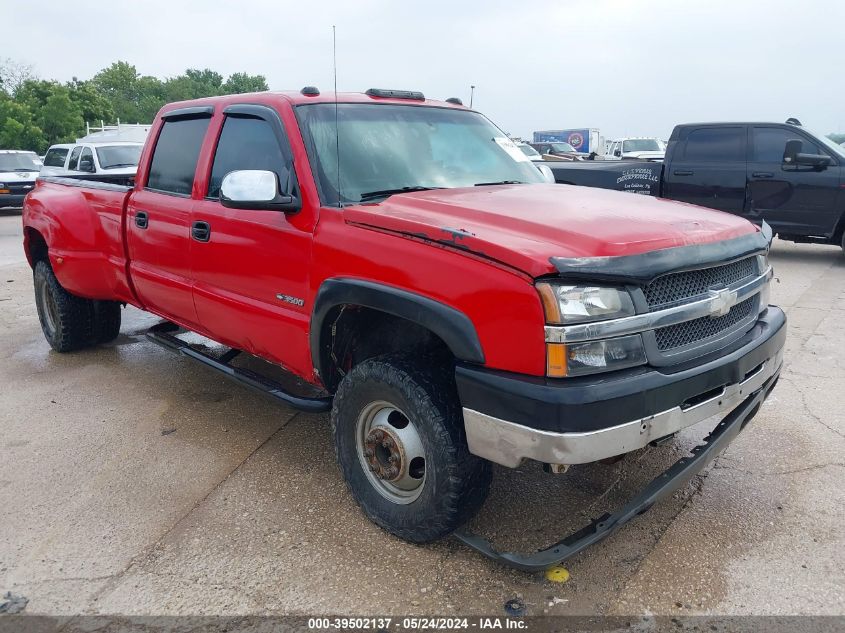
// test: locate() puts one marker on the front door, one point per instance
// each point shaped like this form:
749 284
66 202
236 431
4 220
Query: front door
251 267
793 199
159 222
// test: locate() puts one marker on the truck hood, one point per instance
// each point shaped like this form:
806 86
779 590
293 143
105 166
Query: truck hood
523 226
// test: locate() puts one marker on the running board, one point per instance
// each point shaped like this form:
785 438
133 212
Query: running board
162 334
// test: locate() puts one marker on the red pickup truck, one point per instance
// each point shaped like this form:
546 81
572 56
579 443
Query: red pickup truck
408 263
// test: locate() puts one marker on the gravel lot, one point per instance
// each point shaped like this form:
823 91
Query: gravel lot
134 482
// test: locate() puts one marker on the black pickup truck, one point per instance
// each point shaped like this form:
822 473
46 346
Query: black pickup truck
777 172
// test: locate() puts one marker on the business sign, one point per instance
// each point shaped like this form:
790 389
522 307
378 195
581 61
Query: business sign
579 139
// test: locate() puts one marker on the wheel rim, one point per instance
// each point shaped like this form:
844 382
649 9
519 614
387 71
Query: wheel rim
391 452
50 311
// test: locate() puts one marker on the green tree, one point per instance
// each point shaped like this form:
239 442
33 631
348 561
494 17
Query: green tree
94 106
239 83
119 85
17 128
193 84
151 96
35 92
60 118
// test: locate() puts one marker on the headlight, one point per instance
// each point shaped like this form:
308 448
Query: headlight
578 359
565 304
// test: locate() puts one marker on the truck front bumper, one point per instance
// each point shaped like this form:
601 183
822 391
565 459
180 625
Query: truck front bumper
509 418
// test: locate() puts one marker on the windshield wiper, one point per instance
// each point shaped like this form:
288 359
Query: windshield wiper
27 168
501 182
371 195
120 165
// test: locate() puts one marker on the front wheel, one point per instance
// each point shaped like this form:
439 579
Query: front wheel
400 442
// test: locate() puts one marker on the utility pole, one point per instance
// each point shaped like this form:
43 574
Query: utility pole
471 93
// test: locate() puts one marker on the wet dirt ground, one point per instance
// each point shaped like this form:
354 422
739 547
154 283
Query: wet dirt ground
133 481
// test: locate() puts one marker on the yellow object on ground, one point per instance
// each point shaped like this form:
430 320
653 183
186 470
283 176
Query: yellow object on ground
557 574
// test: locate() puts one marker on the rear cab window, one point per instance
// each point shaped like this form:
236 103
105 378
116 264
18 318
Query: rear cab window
176 154
716 145
55 157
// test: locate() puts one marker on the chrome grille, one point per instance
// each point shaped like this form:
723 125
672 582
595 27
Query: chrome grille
690 332
678 288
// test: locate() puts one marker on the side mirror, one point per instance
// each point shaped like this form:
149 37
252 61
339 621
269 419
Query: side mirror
547 172
813 160
618 153
791 151
255 189
86 164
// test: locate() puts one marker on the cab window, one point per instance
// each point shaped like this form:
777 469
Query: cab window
176 153
770 143
55 157
74 157
716 145
246 143
86 160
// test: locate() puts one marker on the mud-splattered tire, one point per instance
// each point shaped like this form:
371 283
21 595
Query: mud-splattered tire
412 405
66 320
106 320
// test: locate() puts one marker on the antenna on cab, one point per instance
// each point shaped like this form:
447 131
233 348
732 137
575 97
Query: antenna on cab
336 128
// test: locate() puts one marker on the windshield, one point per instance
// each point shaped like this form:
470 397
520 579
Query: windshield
563 147
529 151
388 148
641 145
114 156
19 161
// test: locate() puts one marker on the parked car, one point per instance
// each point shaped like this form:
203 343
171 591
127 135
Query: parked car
557 151
110 162
18 171
445 304
780 173
641 148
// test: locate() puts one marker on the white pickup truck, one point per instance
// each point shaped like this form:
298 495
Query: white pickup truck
640 148
112 162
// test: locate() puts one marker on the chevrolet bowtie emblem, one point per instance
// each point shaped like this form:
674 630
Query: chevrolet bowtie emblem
721 302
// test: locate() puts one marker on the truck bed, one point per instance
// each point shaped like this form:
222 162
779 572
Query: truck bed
83 221
642 177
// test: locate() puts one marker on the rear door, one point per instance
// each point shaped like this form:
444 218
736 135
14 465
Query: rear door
793 199
159 218
708 168
250 266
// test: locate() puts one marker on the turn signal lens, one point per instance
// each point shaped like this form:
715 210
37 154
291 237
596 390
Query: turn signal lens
556 360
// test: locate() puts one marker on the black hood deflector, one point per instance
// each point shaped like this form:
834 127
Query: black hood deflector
645 267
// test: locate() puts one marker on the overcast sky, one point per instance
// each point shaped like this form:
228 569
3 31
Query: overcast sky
627 67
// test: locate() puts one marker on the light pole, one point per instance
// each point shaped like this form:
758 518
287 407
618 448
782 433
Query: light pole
471 93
